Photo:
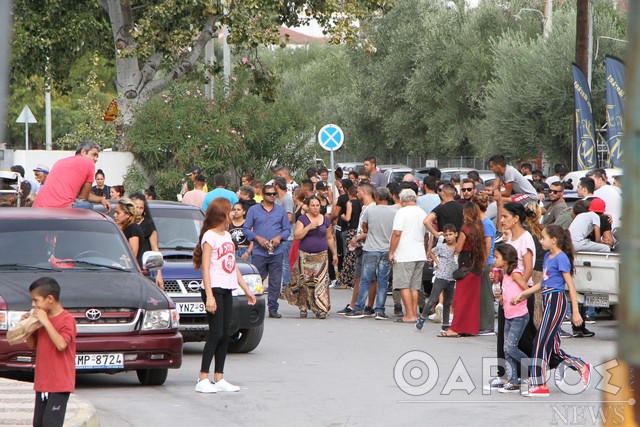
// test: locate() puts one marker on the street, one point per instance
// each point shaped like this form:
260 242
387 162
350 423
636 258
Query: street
340 372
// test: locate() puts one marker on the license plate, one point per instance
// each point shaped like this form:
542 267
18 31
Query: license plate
190 307
596 300
100 361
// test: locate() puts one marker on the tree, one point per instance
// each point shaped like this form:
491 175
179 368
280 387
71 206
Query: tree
158 41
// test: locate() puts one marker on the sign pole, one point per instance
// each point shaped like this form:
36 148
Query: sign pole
332 176
26 135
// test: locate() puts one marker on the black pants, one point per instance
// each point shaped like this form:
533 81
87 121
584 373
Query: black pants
218 338
50 409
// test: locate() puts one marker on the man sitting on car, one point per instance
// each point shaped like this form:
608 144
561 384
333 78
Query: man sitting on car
70 179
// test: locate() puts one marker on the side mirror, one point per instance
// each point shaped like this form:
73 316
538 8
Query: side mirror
152 260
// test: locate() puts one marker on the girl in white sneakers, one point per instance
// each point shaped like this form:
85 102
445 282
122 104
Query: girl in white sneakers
216 256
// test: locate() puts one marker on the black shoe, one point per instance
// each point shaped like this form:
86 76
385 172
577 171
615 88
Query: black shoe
345 310
354 314
274 315
368 311
583 333
397 310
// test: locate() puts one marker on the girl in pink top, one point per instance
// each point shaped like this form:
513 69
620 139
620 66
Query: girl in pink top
516 315
215 255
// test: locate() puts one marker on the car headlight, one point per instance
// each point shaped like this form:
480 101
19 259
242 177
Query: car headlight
9 319
254 282
160 319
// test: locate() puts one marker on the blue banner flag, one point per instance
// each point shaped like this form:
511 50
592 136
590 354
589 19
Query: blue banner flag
615 99
585 128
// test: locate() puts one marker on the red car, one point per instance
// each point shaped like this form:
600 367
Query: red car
124 321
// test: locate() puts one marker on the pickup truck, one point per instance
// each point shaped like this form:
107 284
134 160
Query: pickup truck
597 277
124 321
178 227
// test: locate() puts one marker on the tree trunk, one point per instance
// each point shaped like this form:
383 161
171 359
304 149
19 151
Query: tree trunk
136 85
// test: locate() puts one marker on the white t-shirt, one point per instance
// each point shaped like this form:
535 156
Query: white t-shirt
410 220
523 244
613 203
582 225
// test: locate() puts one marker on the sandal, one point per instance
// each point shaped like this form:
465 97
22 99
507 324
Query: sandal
321 316
448 334
303 313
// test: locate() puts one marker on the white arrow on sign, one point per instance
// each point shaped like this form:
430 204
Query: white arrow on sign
26 117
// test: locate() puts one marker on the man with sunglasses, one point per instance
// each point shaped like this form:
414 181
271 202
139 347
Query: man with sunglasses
267 224
467 191
557 205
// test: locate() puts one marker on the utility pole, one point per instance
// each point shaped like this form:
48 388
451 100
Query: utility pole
582 36
209 59
547 19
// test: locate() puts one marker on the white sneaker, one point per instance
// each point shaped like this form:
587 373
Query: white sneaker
437 318
205 386
223 385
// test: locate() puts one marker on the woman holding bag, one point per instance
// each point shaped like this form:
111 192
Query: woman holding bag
472 256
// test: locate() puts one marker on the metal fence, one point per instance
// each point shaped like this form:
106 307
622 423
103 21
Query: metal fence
418 162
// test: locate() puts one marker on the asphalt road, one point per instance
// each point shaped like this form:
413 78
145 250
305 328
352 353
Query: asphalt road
340 372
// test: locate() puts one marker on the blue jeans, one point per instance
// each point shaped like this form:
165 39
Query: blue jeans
271 266
82 204
513 329
286 267
241 250
372 262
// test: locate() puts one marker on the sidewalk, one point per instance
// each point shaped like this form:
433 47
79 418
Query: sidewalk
17 400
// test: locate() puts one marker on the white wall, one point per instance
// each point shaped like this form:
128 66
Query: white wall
113 163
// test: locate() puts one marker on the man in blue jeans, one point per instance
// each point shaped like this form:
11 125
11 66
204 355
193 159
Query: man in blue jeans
285 200
377 224
268 226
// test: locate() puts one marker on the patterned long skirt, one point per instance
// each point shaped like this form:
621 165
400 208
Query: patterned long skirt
309 285
348 273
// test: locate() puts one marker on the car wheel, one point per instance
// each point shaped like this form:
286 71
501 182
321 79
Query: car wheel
246 340
152 376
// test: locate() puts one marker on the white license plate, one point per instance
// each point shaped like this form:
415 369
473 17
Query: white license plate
190 307
100 361
596 300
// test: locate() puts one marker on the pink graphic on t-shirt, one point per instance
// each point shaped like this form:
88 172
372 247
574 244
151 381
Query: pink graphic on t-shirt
227 251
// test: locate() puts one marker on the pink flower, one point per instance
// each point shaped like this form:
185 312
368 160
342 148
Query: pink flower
245 60
188 93
234 78
253 67
233 131
246 91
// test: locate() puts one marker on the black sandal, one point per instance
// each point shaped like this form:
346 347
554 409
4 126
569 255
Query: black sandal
303 313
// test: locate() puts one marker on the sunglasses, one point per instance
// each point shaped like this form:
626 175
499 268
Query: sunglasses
466 189
269 194
555 191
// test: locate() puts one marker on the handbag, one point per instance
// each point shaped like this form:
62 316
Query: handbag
464 260
460 273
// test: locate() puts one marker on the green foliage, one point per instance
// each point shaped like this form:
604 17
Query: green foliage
85 116
180 128
529 103
135 180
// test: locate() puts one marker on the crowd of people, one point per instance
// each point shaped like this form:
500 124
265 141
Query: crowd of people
364 234
511 240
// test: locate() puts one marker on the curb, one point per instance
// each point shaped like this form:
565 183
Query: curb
17 400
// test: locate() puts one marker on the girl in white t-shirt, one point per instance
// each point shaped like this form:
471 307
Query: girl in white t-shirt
215 255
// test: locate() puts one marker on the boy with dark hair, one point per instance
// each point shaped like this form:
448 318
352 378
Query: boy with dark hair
55 344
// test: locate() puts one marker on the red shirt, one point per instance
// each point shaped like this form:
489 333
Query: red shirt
56 370
64 182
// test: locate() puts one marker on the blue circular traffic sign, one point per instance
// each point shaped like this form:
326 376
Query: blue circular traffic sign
331 137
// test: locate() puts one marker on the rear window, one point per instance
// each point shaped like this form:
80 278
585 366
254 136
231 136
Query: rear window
64 244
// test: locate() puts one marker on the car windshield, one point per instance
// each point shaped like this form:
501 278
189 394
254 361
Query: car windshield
398 176
64 245
177 228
